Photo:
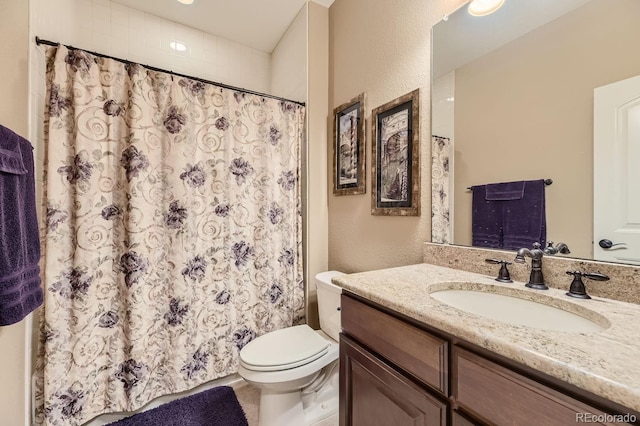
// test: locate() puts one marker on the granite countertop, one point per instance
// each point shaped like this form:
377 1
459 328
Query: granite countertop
606 363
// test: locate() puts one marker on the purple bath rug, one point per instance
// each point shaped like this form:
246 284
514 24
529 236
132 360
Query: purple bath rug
214 407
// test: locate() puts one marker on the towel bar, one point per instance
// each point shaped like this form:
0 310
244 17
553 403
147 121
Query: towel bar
547 182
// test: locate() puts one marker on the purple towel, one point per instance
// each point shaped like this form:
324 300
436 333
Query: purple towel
486 226
524 220
509 215
20 290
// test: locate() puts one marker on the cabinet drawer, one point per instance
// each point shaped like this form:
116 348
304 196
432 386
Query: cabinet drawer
374 394
508 398
416 351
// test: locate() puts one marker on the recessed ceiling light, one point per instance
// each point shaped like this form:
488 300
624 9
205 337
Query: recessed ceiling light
178 46
484 7
186 1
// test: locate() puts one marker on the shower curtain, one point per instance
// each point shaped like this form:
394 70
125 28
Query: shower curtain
172 235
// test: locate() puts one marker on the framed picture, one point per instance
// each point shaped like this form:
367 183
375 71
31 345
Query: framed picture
395 187
349 148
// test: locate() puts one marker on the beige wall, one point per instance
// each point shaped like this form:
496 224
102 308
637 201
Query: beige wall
381 48
316 212
14 55
525 111
289 61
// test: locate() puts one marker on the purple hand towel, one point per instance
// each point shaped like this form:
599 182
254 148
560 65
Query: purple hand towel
20 290
486 219
524 219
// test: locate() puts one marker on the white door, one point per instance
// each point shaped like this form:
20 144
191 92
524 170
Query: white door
616 196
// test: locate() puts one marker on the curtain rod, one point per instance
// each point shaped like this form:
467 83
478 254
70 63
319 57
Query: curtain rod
202 80
547 182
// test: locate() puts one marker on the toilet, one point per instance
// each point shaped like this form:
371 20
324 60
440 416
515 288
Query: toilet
296 368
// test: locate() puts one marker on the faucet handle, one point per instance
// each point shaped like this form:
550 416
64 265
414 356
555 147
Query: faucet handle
549 249
577 288
503 274
596 276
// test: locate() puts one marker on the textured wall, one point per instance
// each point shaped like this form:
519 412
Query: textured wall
382 48
316 212
289 61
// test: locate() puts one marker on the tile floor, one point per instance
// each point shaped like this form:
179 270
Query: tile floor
249 398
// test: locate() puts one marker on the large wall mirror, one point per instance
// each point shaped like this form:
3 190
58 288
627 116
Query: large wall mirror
513 99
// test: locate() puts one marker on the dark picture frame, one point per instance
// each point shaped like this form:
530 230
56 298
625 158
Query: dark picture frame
349 161
395 186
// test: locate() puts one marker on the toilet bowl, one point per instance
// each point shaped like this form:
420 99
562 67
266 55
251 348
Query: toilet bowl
296 368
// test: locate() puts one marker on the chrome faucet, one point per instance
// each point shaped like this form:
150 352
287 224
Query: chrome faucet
561 248
536 280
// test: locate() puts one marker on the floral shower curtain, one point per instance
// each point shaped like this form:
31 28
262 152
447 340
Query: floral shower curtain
173 233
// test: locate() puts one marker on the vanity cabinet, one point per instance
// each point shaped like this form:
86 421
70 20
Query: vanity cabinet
396 371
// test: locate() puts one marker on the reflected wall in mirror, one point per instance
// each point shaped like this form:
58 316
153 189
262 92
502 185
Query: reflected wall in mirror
513 93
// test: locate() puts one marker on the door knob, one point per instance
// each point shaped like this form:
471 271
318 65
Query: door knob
607 244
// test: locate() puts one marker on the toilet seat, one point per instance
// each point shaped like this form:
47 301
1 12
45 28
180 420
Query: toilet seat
284 349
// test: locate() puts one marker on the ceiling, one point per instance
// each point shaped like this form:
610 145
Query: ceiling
255 23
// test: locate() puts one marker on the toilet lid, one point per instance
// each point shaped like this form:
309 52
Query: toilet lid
282 349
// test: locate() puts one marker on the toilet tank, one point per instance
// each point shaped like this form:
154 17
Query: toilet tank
329 303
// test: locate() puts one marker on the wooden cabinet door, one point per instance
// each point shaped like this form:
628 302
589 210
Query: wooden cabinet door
373 394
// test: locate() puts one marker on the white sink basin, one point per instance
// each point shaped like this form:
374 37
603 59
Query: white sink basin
517 311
